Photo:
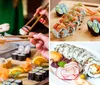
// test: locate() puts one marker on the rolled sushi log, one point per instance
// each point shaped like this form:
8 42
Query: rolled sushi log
61 9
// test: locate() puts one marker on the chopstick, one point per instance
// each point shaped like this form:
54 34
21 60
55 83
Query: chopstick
17 40
89 5
18 36
45 7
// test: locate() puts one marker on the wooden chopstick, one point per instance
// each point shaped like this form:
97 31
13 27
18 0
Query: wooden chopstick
45 7
18 36
89 5
17 40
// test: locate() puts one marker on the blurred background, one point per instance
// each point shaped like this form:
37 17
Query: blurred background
18 12
54 2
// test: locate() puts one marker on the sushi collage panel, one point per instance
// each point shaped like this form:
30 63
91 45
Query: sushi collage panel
24 42
74 63
75 21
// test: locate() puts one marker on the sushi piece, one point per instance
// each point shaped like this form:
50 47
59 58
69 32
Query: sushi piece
19 82
21 57
60 31
27 51
24 30
92 69
31 75
4 27
21 48
95 30
61 9
47 72
15 56
89 24
38 76
43 74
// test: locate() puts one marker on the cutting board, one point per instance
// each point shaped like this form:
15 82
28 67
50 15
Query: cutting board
82 33
24 77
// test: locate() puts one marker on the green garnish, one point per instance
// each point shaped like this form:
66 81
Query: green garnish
61 63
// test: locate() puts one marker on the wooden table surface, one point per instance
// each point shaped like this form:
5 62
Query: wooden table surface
82 33
23 77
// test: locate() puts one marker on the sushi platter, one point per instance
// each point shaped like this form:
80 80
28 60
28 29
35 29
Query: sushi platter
74 65
72 20
22 68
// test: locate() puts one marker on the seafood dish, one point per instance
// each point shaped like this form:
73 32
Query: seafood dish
61 9
11 82
94 26
4 27
39 73
22 53
69 21
69 62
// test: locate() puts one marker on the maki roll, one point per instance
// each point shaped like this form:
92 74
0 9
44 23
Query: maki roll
15 56
61 9
24 30
19 82
38 76
43 74
89 24
21 57
95 30
31 75
47 72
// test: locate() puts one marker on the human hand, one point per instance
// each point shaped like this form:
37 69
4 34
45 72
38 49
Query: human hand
45 19
41 42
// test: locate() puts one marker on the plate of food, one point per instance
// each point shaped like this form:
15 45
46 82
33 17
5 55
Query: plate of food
74 65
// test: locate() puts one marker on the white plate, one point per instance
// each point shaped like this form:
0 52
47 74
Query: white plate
57 81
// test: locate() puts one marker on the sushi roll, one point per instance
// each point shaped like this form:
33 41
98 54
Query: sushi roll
92 69
24 30
19 82
21 48
47 71
43 74
61 9
15 56
27 51
95 30
38 76
31 75
21 57
89 24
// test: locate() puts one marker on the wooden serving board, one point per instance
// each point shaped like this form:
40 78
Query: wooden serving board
82 33
24 77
